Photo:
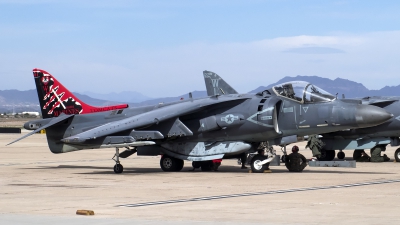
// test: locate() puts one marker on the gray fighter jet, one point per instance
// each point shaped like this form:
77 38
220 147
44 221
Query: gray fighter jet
349 139
366 138
215 127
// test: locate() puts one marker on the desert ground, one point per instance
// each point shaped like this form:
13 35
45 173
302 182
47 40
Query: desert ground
38 187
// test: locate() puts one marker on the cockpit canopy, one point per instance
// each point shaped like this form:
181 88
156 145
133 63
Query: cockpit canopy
303 92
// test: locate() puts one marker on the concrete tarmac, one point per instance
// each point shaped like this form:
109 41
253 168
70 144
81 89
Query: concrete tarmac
39 187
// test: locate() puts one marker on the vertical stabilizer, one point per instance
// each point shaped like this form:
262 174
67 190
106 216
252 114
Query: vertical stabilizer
216 85
55 99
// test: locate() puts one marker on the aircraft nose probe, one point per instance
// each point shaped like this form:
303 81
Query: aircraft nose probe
368 115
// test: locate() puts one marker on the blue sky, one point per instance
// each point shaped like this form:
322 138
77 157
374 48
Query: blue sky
161 47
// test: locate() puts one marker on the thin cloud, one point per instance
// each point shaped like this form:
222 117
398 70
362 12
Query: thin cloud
314 50
176 70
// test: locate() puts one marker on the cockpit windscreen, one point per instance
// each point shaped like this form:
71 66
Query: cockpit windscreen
315 94
303 92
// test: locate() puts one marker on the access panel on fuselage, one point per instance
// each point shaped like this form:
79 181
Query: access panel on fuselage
287 118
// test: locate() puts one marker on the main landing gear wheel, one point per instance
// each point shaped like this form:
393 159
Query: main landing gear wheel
397 155
341 155
206 165
196 164
118 168
283 158
327 155
256 166
171 164
180 164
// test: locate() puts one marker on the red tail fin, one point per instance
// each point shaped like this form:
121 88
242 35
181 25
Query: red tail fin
55 99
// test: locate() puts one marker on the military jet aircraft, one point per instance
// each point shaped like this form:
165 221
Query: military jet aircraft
366 138
349 139
203 129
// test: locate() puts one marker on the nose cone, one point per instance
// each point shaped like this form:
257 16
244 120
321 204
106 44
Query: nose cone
369 116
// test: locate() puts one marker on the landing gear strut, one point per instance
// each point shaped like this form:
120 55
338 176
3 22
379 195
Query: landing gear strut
283 158
118 168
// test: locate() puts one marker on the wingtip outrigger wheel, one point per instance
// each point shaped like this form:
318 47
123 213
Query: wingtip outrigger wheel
118 168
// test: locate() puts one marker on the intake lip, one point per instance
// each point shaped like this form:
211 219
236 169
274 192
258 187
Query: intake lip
369 116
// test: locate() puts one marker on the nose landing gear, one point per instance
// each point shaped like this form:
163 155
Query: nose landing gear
118 168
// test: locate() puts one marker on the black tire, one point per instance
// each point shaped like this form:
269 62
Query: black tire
256 168
397 155
179 165
206 165
283 158
331 155
118 168
327 155
357 153
341 155
168 163
196 164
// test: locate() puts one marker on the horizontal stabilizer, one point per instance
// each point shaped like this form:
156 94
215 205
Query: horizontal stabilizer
52 122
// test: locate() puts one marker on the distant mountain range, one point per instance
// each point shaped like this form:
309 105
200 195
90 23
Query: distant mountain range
125 96
341 86
28 101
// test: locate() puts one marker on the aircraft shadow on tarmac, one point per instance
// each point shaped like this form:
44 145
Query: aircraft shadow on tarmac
222 169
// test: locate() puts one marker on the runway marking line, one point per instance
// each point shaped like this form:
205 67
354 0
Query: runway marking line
257 193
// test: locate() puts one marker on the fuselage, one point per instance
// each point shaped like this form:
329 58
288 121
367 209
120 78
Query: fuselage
252 118
364 138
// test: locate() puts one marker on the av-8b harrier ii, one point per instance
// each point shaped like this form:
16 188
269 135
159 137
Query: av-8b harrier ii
366 138
349 139
201 129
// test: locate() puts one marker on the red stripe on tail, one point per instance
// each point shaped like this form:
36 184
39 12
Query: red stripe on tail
55 99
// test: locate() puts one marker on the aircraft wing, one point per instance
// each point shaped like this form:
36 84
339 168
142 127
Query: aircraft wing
152 117
380 102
